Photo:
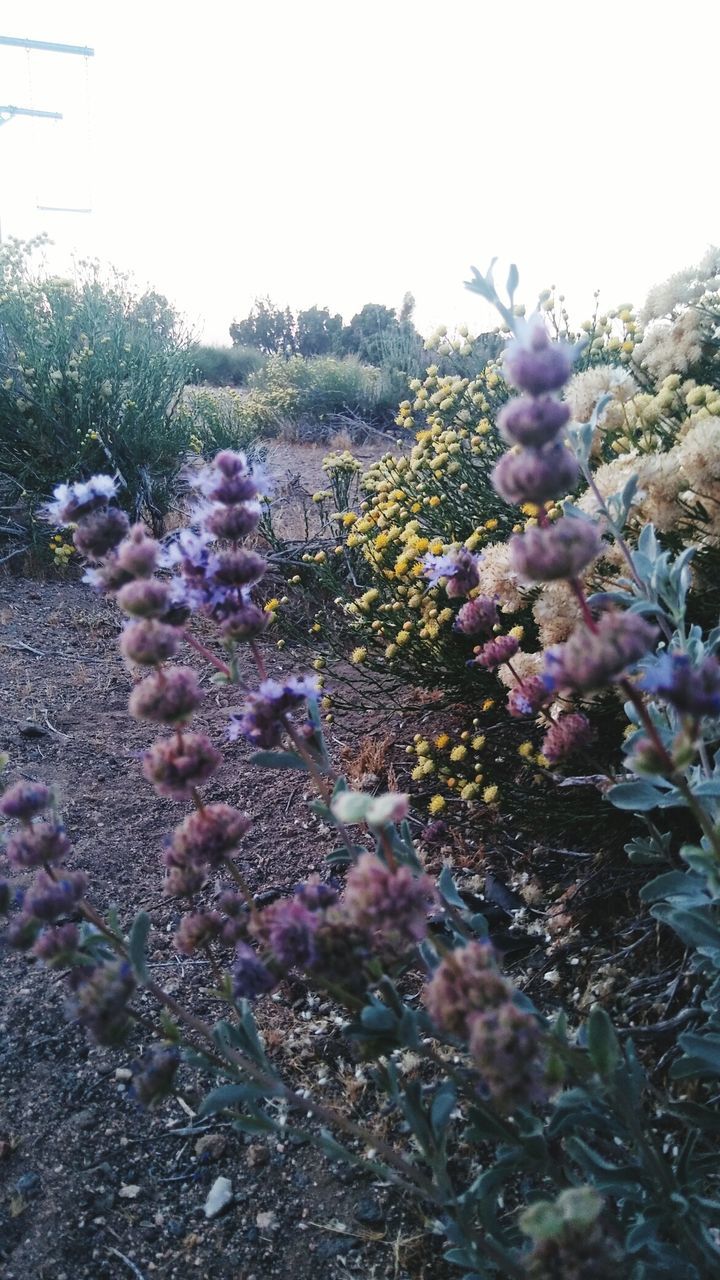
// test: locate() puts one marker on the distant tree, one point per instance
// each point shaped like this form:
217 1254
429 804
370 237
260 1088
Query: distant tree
317 332
269 328
363 336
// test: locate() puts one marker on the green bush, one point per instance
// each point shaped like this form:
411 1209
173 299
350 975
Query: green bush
217 419
225 366
292 392
91 378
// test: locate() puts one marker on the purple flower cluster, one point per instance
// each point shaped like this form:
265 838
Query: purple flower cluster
527 697
567 735
391 904
459 568
477 617
154 1074
101 1001
693 689
176 766
263 717
202 842
469 998
594 657
25 800
496 652
560 550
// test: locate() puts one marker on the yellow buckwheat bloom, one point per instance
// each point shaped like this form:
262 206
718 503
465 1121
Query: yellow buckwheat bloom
437 804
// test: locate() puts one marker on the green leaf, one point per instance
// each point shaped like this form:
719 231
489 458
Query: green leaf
705 1049
137 943
449 890
229 1095
602 1042
637 796
278 760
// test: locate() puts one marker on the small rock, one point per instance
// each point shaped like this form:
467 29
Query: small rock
29 729
83 1119
257 1155
368 1211
335 1247
211 1146
220 1196
129 1191
175 1227
267 1221
28 1184
123 1073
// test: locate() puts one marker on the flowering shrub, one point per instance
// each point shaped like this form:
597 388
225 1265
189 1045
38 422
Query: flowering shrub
541 1149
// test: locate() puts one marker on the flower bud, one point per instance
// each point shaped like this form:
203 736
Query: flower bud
138 554
36 845
238 568
144 598
532 422
57 946
210 834
176 766
560 550
99 532
477 617
536 475
149 642
232 523
168 696
567 735
496 652
535 364
25 800
197 930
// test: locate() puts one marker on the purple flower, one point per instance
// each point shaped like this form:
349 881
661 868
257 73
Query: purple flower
477 617
460 568
527 697
693 690
36 845
466 981
559 550
262 718
154 1074
567 735
209 834
144 598
287 927
536 475
49 897
533 422
149 642
100 531
101 1002
197 930
25 800
71 501
496 652
176 766
506 1047
535 364
316 894
169 696
390 904
232 523
57 945
593 658
250 977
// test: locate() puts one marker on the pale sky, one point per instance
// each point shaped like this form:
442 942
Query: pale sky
344 151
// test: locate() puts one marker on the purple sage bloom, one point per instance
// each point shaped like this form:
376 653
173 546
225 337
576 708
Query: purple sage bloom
536 475
567 735
534 422
287 927
250 976
391 905
534 363
460 568
693 690
496 652
527 697
34 846
154 1074
49 897
262 718
101 1002
25 800
72 501
591 659
477 617
559 550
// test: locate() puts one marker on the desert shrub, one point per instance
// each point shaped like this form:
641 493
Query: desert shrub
539 1144
91 376
217 419
320 390
225 366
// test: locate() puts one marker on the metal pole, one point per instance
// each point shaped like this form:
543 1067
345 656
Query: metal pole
7 113
47 46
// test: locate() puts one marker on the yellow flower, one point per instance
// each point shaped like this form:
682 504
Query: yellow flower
272 604
526 750
442 741
422 747
358 655
488 704
417 773
490 795
391 651
458 753
403 637
491 524
437 804
469 791
542 761
318 664
478 742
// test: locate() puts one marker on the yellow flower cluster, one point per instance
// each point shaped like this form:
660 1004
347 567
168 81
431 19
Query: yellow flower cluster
455 764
